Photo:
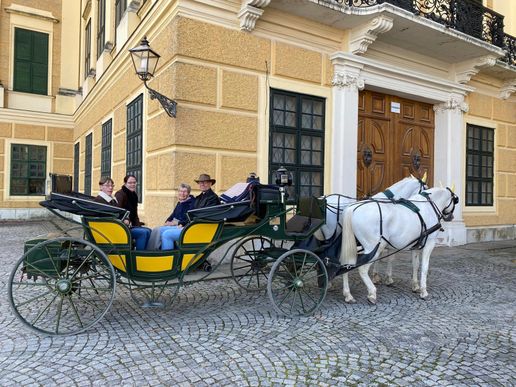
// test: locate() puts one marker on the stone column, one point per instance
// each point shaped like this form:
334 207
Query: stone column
346 84
449 159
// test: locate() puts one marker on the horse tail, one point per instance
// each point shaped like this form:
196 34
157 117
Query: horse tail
349 244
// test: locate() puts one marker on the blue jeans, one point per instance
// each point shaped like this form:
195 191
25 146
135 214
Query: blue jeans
141 236
169 234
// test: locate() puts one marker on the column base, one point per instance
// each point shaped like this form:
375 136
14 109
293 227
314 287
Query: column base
454 234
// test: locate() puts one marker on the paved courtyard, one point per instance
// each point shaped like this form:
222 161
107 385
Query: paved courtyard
217 334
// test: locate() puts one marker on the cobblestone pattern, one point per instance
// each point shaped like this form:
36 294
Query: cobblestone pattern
216 334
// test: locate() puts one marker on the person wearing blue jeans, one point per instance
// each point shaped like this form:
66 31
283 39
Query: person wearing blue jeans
167 235
128 198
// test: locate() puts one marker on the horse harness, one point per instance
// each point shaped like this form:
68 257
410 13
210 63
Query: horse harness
420 242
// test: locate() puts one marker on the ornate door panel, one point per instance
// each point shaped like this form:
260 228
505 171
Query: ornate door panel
374 144
392 142
414 130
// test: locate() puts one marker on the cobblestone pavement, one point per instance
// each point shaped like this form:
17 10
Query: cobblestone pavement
216 334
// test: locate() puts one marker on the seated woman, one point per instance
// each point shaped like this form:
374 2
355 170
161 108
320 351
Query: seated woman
169 233
128 198
105 196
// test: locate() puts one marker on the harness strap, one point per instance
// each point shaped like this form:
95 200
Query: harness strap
388 194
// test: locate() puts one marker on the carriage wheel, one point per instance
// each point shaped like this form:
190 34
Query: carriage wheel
252 260
297 283
62 286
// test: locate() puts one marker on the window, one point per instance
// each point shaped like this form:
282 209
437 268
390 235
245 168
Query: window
297 140
101 27
87 165
30 61
120 6
479 166
87 49
105 153
76 167
134 142
28 169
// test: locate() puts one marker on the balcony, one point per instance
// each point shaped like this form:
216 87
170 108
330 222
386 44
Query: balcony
462 15
452 31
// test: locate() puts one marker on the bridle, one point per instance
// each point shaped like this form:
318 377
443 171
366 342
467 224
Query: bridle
446 213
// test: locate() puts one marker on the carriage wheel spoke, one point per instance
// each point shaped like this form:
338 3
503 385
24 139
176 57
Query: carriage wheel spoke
43 311
59 311
76 312
90 254
49 255
34 298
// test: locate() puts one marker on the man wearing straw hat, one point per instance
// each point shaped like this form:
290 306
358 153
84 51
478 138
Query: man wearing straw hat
207 197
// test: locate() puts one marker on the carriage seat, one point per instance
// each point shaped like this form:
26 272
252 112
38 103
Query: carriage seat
309 217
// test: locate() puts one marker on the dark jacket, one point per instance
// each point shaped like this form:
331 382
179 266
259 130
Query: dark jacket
100 199
129 200
206 199
180 211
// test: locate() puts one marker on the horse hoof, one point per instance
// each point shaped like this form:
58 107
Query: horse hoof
424 296
350 300
389 282
372 300
377 279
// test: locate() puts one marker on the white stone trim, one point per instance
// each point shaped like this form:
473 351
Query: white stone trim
464 71
363 36
249 13
508 88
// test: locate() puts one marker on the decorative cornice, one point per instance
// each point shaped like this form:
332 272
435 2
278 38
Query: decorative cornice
31 12
249 13
464 71
363 36
455 102
345 80
508 88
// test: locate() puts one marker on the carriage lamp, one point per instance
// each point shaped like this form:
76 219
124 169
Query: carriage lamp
145 61
283 177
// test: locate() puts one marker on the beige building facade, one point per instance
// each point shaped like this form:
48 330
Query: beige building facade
338 93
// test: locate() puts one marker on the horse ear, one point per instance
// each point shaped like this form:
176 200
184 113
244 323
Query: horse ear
423 179
412 176
453 187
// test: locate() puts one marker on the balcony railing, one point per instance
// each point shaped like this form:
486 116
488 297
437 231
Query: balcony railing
510 48
465 16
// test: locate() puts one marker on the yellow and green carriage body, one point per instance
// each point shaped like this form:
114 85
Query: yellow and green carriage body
65 285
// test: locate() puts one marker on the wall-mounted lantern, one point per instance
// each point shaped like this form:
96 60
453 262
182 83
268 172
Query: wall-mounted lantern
145 61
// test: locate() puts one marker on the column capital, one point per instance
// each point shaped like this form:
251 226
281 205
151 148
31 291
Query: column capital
455 103
342 79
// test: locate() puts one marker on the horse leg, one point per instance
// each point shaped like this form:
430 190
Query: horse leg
345 289
425 260
415 269
371 289
389 281
377 279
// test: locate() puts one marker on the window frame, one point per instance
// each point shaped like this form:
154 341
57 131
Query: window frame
31 63
101 27
106 148
134 142
87 49
479 166
41 179
76 165
88 163
300 131
120 7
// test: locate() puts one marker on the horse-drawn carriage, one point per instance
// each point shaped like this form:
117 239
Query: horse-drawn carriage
65 285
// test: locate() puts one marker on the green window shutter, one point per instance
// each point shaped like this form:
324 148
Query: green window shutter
30 61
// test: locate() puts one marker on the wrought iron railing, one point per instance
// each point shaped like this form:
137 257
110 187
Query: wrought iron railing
510 50
465 16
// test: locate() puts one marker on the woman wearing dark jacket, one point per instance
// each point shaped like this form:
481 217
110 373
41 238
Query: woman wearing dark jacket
169 233
128 198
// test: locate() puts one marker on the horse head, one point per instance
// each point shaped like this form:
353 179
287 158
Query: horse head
450 207
444 201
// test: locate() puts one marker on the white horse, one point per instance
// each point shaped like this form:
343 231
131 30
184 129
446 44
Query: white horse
336 204
377 225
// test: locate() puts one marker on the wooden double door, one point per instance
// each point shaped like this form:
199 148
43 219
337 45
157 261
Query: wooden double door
395 139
